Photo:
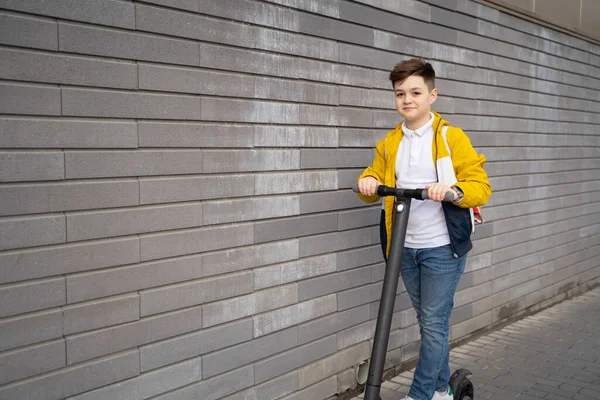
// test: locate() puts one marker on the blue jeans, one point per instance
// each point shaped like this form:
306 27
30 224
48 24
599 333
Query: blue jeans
431 276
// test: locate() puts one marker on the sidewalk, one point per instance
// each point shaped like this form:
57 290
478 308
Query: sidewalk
554 355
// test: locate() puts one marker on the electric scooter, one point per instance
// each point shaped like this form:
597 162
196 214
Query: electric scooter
461 386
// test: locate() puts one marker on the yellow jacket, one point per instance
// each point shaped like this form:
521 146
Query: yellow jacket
462 168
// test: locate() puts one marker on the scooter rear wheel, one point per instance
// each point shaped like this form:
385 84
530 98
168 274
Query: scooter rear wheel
461 385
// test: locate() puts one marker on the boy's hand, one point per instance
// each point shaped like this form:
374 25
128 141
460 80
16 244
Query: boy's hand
368 186
437 191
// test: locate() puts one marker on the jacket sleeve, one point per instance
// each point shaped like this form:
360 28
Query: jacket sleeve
376 170
468 168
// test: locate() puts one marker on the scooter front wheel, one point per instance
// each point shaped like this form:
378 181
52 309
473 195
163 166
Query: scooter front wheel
461 385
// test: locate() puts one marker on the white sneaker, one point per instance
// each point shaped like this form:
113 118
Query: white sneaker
445 396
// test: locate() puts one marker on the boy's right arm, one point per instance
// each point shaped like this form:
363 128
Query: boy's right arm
376 171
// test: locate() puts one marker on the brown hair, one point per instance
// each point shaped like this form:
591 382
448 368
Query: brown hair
414 66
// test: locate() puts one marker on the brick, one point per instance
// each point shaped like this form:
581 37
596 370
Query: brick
328 201
336 158
190 241
366 98
243 306
29 361
194 26
332 283
215 388
273 389
427 49
172 134
32 296
31 231
387 119
31 166
333 323
346 380
454 20
359 257
85 346
191 293
329 242
464 328
101 313
50 197
216 109
335 29
333 364
219 57
331 8
287 90
291 43
104 103
338 116
191 5
358 296
17 30
348 177
449 4
294 227
54 133
107 282
294 136
173 189
189 80
293 271
255 13
292 359
359 218
104 12
356 334
402 337
63 259
384 20
409 8
290 182
287 316
320 390
50 68
30 99
193 344
333 73
249 257
232 357
370 58
220 212
31 328
147 385
100 224
77 379
123 44
222 161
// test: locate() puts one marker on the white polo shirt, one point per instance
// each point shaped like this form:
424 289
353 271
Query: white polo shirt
415 169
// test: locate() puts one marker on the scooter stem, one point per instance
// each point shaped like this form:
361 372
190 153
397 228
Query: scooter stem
388 298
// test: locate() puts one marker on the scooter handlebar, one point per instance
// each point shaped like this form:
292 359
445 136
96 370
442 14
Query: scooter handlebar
419 194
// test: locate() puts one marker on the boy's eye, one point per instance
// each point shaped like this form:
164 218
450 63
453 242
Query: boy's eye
416 93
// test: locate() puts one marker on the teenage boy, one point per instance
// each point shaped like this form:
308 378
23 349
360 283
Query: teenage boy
425 151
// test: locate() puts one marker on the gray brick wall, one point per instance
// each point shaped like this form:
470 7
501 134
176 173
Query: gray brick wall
176 220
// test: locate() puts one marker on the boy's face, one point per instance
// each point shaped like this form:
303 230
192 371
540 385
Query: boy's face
413 99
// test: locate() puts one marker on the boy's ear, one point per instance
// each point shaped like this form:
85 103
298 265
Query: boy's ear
433 96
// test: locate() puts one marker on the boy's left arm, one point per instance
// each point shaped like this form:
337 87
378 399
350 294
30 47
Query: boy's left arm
468 168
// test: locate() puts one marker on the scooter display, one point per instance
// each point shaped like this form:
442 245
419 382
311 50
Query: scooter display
461 386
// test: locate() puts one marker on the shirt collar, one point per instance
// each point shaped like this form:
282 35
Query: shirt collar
421 131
